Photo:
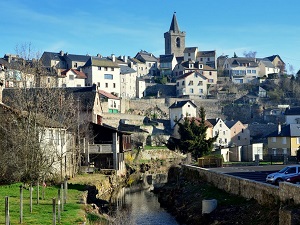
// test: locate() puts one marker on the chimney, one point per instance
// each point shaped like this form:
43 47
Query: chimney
113 57
279 128
61 53
98 55
125 58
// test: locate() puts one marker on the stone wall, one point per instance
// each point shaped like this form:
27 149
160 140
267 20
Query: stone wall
263 193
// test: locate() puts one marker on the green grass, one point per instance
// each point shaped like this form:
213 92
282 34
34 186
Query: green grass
42 213
148 147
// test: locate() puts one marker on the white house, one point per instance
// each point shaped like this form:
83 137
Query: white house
190 54
71 78
140 87
110 103
104 73
266 67
150 63
181 109
167 64
128 78
208 58
191 84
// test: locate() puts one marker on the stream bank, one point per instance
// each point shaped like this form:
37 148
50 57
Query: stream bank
183 199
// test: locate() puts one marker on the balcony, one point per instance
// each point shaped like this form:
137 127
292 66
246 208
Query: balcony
100 149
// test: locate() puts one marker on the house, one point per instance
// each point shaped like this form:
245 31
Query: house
266 67
128 78
286 140
150 61
292 115
191 84
104 73
190 54
140 87
109 102
208 58
181 109
239 133
71 78
241 69
167 64
277 62
221 130
105 148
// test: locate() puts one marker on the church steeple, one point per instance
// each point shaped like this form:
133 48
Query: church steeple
174 25
174 39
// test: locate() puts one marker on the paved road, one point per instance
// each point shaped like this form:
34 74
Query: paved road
257 173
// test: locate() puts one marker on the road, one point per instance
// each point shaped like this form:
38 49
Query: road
256 173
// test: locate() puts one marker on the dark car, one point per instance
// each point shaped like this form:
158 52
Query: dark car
294 179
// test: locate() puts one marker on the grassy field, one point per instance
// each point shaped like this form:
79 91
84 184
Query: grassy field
42 213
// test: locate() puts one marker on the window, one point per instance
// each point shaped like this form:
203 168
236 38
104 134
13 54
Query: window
273 139
75 64
225 140
114 85
274 151
239 138
224 132
98 84
242 130
248 71
189 54
106 85
71 77
283 140
210 73
112 69
182 83
48 80
201 91
208 59
105 68
210 80
220 124
200 83
99 67
298 140
253 71
191 90
108 76
177 84
149 64
284 151
201 59
178 42
191 83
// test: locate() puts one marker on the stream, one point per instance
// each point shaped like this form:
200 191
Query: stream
140 208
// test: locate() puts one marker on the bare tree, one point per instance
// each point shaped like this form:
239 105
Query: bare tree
250 54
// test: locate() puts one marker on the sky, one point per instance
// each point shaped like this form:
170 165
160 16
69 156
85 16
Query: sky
124 27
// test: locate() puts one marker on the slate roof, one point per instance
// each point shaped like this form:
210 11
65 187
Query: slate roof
230 123
180 104
242 60
292 111
267 63
190 50
97 61
166 58
196 65
213 122
126 69
52 56
146 57
78 58
190 73
272 57
206 53
291 130
174 25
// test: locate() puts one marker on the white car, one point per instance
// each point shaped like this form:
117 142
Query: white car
283 174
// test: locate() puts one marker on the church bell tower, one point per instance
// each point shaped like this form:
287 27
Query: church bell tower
174 39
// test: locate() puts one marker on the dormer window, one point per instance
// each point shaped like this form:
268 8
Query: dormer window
200 66
191 65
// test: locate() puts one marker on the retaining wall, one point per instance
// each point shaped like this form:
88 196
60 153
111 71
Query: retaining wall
263 193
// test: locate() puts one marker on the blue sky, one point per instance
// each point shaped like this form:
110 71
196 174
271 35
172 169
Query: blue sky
123 27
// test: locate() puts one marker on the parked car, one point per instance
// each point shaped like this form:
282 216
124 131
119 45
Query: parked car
282 175
294 179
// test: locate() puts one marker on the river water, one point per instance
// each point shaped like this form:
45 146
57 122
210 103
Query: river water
141 208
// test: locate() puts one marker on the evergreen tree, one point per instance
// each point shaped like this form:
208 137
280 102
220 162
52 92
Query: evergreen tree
193 138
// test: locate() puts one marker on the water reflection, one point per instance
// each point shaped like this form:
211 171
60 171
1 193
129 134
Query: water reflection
141 208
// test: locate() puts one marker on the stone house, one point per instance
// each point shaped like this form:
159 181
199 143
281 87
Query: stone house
109 102
167 64
208 58
150 62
